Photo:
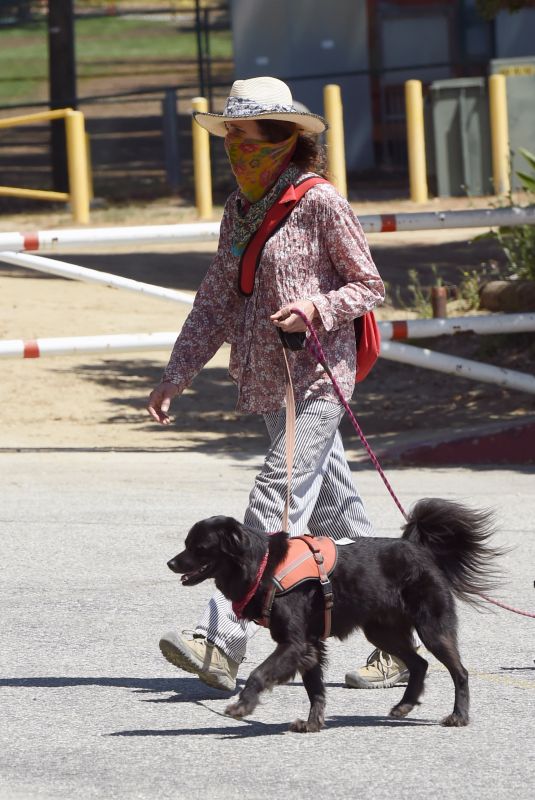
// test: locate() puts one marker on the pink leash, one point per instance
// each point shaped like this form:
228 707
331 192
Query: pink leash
314 347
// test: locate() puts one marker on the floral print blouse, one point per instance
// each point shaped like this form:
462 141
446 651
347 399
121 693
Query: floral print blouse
320 253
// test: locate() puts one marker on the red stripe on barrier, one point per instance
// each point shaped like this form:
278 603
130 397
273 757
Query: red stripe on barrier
388 223
31 241
400 330
31 349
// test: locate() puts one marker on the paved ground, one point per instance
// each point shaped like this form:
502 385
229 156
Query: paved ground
90 710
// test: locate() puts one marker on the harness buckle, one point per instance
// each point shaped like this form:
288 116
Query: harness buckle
327 589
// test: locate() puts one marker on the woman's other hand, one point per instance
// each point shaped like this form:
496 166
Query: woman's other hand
160 400
292 323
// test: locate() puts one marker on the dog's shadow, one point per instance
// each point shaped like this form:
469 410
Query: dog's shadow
185 690
188 690
245 729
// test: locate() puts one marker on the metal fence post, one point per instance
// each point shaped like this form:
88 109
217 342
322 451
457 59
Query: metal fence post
170 140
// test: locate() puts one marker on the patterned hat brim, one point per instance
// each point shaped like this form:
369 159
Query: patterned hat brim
215 123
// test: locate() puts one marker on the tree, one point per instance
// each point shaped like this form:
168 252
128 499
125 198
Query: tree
489 8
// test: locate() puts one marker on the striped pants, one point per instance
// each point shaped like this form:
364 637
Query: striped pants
324 500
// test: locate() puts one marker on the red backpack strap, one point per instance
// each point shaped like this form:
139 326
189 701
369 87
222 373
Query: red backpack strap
275 216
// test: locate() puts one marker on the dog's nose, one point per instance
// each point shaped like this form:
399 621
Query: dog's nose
172 565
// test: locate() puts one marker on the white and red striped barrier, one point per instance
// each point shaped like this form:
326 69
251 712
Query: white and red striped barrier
449 326
52 240
392 350
155 234
64 270
401 329
73 345
463 367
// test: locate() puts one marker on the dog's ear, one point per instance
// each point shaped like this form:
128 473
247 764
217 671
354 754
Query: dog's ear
234 538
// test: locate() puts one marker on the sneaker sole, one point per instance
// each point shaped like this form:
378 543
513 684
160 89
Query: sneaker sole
356 682
178 658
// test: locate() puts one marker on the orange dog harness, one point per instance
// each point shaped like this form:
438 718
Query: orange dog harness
308 558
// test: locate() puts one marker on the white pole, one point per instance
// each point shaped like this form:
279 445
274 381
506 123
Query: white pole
158 234
485 324
130 342
465 368
441 220
72 345
53 240
65 270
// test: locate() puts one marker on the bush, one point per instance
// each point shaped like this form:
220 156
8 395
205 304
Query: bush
518 243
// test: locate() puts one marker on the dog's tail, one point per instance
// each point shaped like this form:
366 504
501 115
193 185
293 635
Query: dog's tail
458 537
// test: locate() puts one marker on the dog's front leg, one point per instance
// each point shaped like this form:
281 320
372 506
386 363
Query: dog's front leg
313 683
279 667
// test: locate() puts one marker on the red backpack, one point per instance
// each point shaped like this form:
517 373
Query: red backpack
367 335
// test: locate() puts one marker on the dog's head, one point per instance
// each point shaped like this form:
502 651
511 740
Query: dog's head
218 548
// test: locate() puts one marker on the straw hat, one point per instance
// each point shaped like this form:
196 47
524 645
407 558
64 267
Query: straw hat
260 98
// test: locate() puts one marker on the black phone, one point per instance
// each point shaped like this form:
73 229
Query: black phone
292 341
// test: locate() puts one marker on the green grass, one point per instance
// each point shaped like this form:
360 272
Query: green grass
102 46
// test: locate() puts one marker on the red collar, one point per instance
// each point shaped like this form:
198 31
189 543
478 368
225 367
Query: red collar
239 605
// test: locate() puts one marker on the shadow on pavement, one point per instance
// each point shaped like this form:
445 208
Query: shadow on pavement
186 689
245 729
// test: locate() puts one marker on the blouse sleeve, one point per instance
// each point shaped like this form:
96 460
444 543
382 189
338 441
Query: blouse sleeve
362 287
212 315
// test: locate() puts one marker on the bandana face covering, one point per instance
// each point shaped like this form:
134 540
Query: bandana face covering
257 165
248 220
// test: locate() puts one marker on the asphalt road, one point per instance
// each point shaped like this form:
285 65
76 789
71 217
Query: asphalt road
91 710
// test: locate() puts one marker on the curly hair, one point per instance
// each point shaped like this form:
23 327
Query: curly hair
310 154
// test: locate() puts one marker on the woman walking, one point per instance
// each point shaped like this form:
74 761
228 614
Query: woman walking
317 260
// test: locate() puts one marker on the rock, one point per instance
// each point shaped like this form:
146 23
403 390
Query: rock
510 296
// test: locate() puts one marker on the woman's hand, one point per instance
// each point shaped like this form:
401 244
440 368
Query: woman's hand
292 323
160 400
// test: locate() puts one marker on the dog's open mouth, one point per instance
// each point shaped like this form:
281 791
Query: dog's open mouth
196 576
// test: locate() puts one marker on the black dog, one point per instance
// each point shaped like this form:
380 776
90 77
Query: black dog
387 587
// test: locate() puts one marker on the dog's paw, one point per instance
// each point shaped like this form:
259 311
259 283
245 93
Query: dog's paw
454 721
401 710
300 726
236 710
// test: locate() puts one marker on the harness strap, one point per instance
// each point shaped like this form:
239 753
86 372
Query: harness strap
268 605
325 584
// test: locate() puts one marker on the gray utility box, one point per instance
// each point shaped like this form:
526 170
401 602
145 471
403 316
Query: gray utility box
461 134
520 77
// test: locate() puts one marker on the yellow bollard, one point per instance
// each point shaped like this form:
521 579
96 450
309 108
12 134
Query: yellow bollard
77 166
336 158
201 163
89 162
414 104
499 134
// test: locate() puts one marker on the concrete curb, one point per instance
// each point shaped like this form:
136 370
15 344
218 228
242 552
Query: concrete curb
499 443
